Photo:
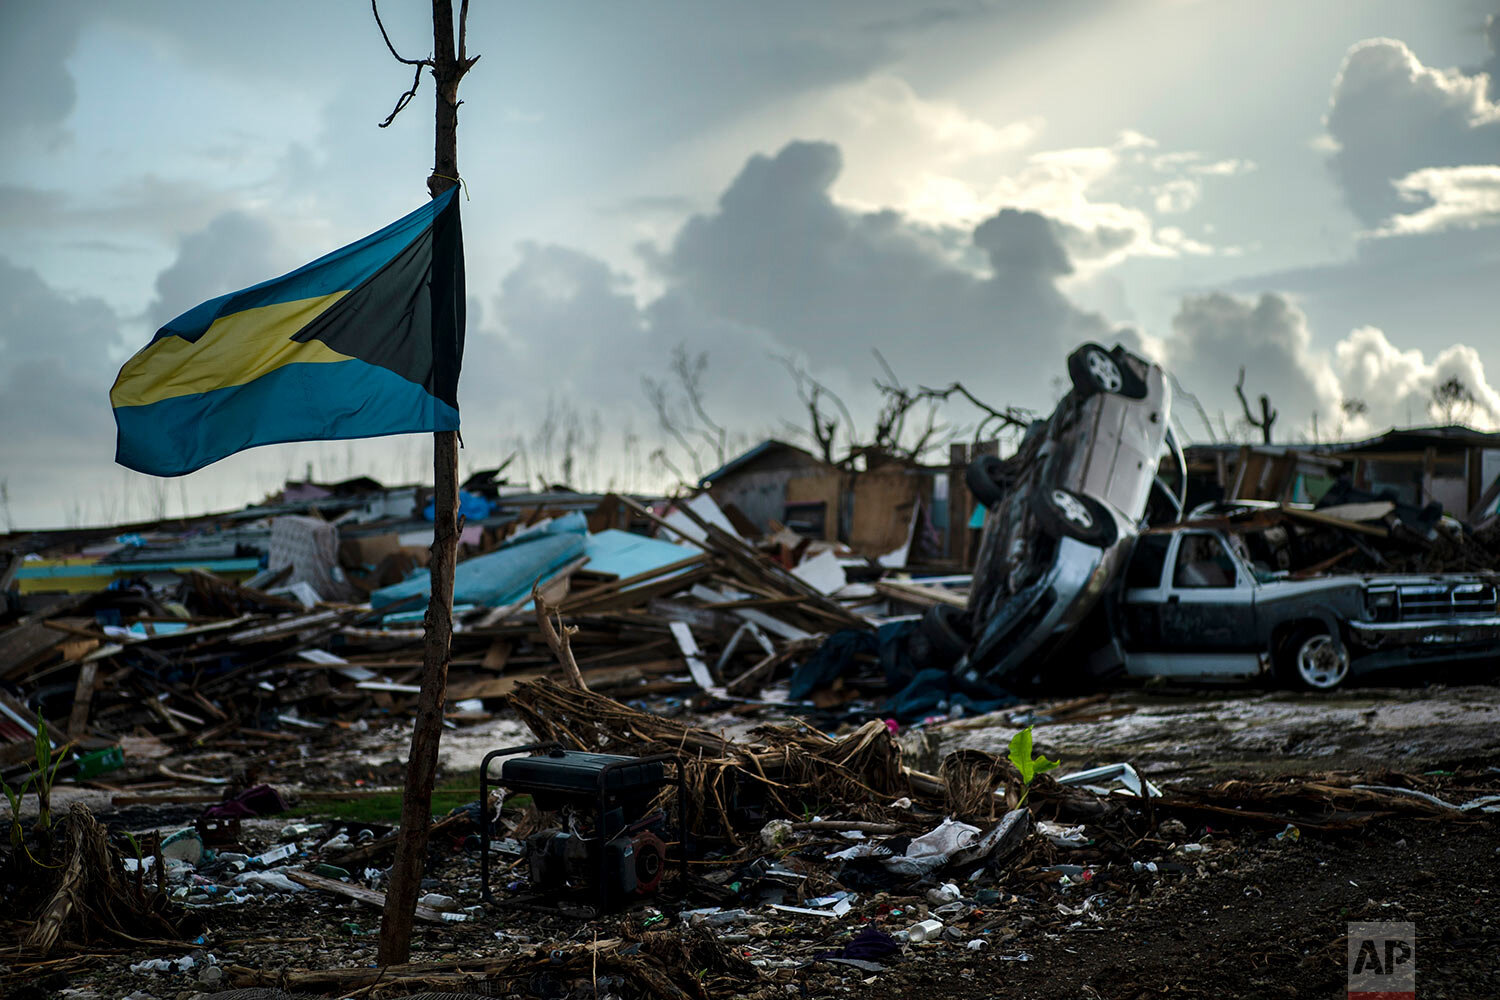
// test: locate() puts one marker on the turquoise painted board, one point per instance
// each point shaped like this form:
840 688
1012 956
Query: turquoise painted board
496 578
625 554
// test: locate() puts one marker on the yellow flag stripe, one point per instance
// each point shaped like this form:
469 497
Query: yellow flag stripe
236 349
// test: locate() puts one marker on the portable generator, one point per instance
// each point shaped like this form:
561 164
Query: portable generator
610 844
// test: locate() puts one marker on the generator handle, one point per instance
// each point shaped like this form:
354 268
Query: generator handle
485 895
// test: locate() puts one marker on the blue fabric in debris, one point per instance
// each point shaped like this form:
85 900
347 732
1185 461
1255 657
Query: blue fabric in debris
471 507
868 945
836 657
922 694
937 692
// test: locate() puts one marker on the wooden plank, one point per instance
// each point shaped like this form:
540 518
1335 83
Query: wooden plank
637 596
83 696
359 892
1317 517
685 642
914 593
585 597
491 687
1486 501
24 645
773 625
286 627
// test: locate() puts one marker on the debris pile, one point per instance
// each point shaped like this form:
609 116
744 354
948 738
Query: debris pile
218 685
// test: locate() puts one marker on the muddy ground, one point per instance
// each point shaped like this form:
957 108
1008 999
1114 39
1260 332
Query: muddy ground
1230 911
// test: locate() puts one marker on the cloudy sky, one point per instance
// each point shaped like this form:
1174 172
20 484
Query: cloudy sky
971 188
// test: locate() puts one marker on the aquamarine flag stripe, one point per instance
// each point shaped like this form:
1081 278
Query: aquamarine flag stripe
340 270
299 402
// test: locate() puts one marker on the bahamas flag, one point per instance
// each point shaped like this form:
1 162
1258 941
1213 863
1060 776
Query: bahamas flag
364 342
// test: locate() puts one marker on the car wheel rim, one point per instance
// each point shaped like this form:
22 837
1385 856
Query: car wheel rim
1072 509
1105 372
1320 664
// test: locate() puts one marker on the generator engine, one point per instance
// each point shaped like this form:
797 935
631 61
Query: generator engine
629 865
608 843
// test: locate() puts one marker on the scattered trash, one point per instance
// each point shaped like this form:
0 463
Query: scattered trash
1124 774
267 880
945 893
775 834
1172 829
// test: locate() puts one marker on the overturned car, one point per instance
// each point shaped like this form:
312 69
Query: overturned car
1064 510
1087 566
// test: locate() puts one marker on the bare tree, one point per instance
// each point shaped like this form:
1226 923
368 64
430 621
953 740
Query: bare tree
660 457
10 522
993 422
690 371
894 434
681 410
1351 408
1452 401
1267 414
823 425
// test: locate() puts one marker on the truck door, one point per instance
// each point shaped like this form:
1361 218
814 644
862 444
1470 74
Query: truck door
1145 590
1209 602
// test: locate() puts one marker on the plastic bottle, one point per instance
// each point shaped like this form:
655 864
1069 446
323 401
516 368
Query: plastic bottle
924 931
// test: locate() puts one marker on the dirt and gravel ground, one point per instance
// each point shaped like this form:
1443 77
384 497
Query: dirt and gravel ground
1228 912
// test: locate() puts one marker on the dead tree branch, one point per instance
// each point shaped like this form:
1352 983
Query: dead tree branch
1010 418
824 428
1267 415
558 636
689 372
411 92
656 395
660 457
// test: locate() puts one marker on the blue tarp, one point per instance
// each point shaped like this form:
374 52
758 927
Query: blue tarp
471 507
502 577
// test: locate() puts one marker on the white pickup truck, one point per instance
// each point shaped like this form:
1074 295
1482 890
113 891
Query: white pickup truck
1191 605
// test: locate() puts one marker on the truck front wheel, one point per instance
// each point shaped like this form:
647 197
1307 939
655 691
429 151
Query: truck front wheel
1309 659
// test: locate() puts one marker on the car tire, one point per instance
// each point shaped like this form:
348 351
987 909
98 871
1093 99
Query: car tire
1093 369
1308 659
984 476
945 629
1064 513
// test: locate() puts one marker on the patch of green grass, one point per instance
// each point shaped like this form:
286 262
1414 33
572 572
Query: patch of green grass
385 807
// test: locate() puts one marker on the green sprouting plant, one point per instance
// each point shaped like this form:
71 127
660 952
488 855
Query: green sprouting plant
1029 766
44 773
14 796
140 863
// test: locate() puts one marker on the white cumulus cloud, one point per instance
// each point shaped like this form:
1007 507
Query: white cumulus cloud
1451 198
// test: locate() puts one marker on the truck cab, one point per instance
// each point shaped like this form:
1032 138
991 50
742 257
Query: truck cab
1190 604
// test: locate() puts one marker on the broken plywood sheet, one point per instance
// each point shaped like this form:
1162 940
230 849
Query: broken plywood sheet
884 504
707 510
824 572
826 489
